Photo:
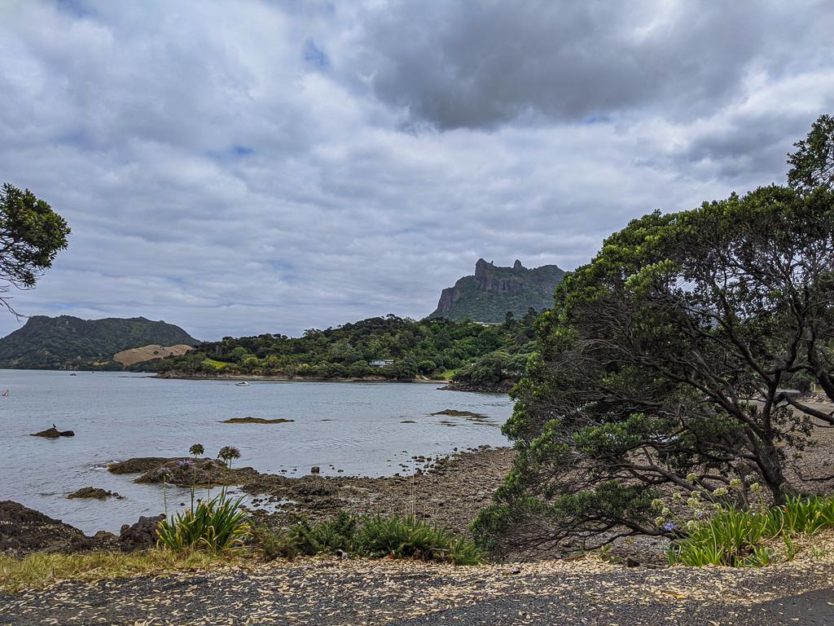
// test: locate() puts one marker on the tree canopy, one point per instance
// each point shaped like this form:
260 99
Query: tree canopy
812 165
668 362
31 234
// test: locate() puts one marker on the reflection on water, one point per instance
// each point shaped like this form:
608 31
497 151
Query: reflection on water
368 429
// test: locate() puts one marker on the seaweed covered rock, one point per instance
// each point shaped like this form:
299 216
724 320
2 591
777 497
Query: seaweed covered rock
94 492
186 472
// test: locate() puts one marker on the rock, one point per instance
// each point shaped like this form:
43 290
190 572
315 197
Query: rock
198 472
315 469
137 465
24 530
456 413
141 535
94 492
54 433
256 420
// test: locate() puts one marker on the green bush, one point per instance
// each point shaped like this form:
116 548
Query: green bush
738 538
373 536
329 536
213 525
408 537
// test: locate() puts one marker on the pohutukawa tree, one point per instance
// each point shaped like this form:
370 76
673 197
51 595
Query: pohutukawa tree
667 362
31 234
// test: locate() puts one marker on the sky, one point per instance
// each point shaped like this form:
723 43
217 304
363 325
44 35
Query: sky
239 167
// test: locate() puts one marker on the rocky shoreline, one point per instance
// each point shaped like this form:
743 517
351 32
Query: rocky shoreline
447 491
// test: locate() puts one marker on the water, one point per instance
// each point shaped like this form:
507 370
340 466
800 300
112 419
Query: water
354 427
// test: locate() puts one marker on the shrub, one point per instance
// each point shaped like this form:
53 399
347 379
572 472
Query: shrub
373 536
739 538
213 525
408 537
328 536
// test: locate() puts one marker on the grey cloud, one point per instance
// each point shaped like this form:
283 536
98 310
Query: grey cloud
214 177
463 64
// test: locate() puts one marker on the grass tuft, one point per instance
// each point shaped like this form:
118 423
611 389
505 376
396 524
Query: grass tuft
745 538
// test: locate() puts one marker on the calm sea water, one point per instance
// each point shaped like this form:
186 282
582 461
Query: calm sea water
361 429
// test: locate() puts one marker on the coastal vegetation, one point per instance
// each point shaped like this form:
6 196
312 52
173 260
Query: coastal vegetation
674 360
371 536
387 347
31 235
753 537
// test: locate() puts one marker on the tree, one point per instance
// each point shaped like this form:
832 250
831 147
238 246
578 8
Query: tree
31 234
812 165
664 364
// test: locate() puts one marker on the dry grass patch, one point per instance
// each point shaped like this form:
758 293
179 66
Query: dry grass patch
40 570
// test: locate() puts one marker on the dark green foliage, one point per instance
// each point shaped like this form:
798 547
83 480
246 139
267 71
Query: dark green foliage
664 362
372 536
497 370
31 234
812 165
430 348
495 291
70 342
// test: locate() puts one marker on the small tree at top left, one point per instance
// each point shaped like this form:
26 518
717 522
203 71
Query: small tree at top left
31 234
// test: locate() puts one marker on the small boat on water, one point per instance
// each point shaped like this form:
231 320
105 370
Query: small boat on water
242 383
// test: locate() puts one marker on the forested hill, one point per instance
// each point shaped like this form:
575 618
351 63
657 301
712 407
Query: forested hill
69 342
478 355
493 291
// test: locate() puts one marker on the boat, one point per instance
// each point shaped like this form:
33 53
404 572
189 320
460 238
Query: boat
242 383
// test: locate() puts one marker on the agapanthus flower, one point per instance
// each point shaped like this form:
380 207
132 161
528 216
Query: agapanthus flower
669 527
227 453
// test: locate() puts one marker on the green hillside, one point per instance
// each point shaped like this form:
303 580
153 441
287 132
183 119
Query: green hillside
387 347
69 342
494 291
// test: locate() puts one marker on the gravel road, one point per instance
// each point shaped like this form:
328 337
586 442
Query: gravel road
328 592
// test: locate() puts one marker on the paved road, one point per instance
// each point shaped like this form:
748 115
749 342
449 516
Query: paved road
329 593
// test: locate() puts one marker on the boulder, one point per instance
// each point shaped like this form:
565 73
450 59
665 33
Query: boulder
141 535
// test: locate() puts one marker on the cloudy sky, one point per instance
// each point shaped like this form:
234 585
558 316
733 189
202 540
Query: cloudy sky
247 166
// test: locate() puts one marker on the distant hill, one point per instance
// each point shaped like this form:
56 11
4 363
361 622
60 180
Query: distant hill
69 342
134 356
493 291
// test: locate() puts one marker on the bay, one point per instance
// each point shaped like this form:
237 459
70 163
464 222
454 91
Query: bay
362 429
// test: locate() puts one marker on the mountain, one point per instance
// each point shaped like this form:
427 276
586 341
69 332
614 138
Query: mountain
69 342
493 291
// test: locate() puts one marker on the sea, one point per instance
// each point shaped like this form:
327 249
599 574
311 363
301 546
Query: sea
346 429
